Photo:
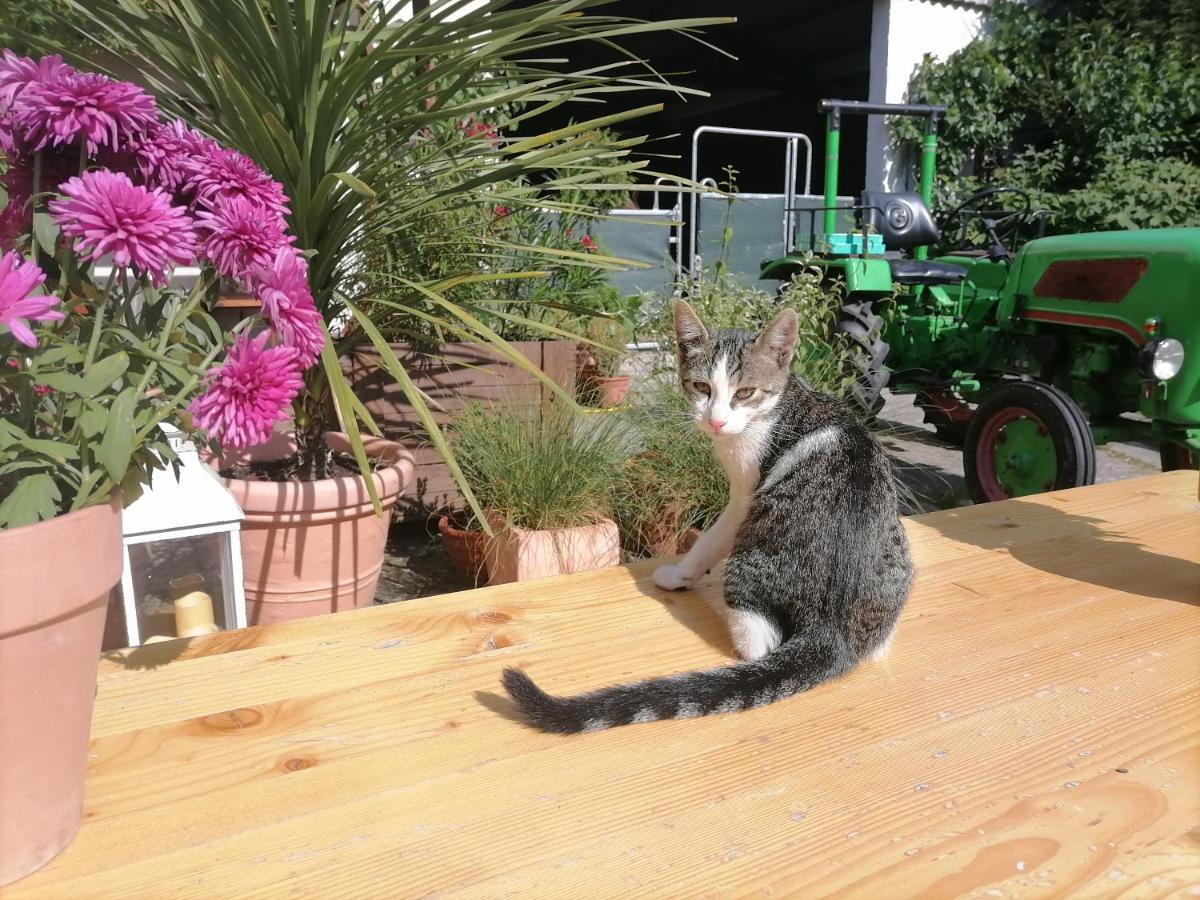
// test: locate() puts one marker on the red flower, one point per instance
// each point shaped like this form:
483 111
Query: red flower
587 243
501 212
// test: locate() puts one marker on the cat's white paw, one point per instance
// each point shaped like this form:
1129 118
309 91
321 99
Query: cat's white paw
673 578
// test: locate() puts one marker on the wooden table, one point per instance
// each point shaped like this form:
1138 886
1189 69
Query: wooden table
1036 732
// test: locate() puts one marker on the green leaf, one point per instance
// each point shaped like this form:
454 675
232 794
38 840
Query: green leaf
45 231
355 184
92 420
117 444
58 451
34 499
61 381
101 375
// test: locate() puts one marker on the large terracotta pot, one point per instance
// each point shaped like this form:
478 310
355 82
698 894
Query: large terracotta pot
53 599
515 554
315 547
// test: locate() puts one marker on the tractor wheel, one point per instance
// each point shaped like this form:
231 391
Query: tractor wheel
948 413
1176 456
1026 438
864 331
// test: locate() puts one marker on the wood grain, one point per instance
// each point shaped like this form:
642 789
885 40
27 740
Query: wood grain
1035 733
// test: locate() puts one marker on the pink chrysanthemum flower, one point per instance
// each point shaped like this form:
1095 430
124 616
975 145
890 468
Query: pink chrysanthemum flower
239 235
107 213
165 155
221 174
82 105
17 72
287 304
247 395
19 305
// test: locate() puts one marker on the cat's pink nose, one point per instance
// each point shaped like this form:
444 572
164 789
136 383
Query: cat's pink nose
716 425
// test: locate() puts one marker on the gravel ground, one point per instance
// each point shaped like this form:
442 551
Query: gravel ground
417 566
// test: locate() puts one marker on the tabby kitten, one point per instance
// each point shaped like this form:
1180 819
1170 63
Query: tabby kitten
818 566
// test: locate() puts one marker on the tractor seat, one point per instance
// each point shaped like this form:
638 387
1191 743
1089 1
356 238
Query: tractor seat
924 271
903 222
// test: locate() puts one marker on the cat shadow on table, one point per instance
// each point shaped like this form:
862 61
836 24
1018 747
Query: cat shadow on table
1082 548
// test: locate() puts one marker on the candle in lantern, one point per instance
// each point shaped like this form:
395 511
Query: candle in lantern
194 615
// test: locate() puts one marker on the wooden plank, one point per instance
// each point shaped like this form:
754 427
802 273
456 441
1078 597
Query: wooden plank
1036 732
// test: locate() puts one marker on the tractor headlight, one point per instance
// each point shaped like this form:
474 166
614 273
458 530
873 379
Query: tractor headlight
1162 358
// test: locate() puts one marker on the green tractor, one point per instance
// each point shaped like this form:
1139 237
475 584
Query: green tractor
1027 356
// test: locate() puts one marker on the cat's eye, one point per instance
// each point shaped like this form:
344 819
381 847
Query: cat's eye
744 393
701 387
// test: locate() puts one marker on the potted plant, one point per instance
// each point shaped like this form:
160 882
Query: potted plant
601 382
545 481
466 544
103 202
535 316
350 109
673 487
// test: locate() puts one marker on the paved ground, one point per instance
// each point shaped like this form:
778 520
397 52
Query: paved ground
416 565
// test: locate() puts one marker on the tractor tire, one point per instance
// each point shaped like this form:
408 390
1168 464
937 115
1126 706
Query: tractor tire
1026 438
948 413
1174 457
863 329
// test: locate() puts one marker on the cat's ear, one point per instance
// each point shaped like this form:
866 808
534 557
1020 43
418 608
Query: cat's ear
689 330
778 339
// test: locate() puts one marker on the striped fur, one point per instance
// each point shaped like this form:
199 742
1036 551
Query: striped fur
818 568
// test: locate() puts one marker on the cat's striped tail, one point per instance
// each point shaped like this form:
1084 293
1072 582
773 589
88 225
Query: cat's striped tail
801 663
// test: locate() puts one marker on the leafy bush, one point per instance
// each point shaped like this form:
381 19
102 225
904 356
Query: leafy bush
1091 107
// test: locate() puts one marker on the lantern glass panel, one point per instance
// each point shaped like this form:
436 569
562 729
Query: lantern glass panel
165 570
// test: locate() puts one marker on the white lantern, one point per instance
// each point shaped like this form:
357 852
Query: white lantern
183 557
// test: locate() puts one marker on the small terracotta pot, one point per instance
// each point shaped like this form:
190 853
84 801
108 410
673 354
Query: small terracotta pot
314 547
515 554
611 391
604 391
467 550
57 578
669 542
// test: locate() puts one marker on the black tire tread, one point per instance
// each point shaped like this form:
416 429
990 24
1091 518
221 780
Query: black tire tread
1012 393
858 322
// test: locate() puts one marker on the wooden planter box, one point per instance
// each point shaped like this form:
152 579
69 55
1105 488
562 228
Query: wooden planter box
452 377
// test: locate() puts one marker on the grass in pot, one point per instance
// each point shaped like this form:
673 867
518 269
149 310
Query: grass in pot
545 481
673 486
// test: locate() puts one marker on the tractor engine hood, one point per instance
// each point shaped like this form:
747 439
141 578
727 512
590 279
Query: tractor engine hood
1114 283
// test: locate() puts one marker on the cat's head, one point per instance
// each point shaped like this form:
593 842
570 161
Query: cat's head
732 377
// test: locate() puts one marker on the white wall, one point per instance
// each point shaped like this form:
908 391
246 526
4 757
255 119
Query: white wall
902 32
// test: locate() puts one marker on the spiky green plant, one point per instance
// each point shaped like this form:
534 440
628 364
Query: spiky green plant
673 482
310 89
553 470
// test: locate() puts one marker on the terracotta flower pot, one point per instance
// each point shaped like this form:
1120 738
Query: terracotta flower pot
611 391
57 577
466 549
515 554
314 547
669 542
601 390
